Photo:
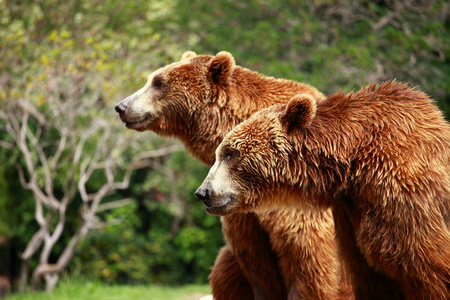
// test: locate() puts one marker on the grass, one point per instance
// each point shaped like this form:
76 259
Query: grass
89 290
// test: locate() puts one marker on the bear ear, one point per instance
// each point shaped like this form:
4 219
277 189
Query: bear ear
221 67
299 112
188 54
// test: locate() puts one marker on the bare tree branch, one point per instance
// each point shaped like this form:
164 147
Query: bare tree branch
114 204
66 148
44 164
6 145
59 151
44 159
31 109
385 20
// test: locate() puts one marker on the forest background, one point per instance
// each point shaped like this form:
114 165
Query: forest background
65 64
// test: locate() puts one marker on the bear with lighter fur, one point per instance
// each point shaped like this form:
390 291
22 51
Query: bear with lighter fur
379 158
268 255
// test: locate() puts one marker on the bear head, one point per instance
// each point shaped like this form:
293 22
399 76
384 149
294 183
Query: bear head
255 160
180 88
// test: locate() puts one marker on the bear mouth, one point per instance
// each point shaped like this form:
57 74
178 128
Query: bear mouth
134 125
143 124
221 210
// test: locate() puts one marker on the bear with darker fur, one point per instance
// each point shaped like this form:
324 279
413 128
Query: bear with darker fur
379 158
268 255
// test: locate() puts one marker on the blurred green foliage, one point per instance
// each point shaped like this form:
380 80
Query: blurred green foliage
165 236
331 44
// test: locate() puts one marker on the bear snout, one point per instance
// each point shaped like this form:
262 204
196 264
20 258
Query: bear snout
216 204
120 108
202 194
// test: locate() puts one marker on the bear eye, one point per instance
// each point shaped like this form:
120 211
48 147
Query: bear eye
228 154
157 82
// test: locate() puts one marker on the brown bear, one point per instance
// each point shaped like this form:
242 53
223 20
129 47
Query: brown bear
379 158
268 255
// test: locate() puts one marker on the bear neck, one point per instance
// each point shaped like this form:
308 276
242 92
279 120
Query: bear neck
246 93
323 152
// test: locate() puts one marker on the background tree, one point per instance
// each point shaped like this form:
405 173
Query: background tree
65 142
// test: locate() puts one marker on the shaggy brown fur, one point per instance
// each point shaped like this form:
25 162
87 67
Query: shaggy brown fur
199 100
380 158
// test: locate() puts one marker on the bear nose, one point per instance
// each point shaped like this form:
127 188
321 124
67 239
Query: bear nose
120 108
202 194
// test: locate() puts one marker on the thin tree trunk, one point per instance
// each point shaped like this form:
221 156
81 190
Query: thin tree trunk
24 274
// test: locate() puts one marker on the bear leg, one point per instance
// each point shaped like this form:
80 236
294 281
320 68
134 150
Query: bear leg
227 279
307 252
366 281
251 247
